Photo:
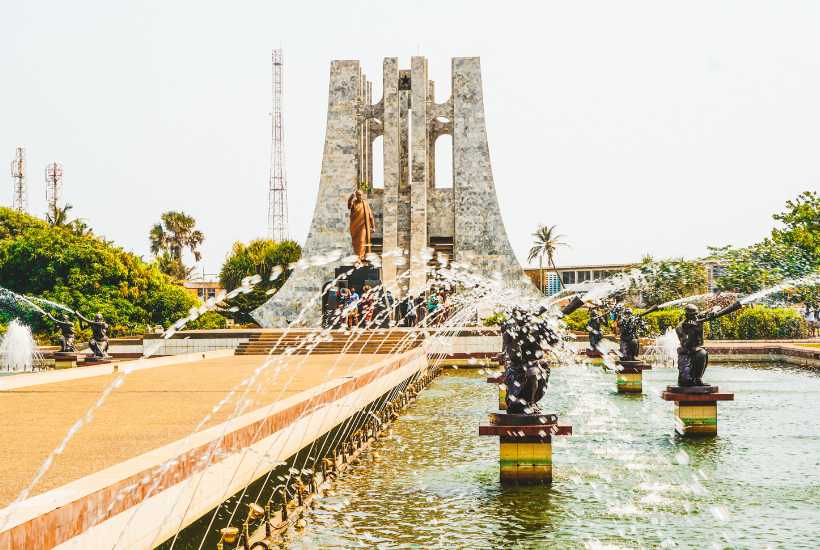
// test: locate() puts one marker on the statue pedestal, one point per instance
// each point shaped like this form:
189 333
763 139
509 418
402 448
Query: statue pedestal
630 378
66 359
594 357
502 390
525 451
696 408
354 278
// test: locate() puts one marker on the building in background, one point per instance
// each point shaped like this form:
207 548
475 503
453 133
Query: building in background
203 287
573 274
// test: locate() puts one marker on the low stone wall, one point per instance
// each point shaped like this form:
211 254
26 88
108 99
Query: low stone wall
467 350
764 352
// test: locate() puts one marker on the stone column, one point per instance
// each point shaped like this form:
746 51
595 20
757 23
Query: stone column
392 170
480 239
431 138
368 163
418 174
329 230
403 212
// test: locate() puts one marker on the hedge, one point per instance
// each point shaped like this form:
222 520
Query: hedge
763 322
750 323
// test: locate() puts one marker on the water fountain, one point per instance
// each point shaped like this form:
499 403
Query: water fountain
18 350
321 462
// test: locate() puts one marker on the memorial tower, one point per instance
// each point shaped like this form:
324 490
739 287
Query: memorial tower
416 221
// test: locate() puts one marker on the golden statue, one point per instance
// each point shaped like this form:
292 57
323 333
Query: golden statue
361 224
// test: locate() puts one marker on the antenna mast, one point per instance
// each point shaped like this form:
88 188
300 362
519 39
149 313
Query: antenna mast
54 184
19 200
277 189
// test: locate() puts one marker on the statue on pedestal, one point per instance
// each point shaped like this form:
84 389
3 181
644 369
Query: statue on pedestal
67 334
631 327
596 321
692 356
99 335
524 338
362 224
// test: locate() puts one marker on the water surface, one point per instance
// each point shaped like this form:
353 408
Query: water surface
623 480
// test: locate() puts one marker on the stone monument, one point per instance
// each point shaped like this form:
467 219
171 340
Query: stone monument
416 217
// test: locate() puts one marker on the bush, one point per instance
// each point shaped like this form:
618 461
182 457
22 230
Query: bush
208 321
495 319
722 328
758 323
259 257
578 319
764 322
659 321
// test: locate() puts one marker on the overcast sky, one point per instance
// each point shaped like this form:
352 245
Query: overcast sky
635 127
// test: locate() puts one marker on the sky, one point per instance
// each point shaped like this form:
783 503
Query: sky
636 127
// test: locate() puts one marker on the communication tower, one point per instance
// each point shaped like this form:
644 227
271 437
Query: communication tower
277 188
19 199
54 184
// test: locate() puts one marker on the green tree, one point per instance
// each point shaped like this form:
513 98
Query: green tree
261 257
58 217
792 251
85 273
801 222
546 242
667 280
170 238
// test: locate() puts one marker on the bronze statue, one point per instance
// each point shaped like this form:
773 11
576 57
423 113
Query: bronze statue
631 327
524 339
99 335
67 334
596 322
692 356
362 223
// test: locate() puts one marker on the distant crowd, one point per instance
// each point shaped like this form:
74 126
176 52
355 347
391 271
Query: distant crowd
812 317
377 308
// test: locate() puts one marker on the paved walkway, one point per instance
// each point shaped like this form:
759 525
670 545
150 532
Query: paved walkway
152 408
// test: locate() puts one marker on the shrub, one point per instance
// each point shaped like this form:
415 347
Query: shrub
659 321
208 320
259 257
578 319
764 322
495 319
722 328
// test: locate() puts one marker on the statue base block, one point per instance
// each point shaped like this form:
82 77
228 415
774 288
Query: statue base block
593 356
630 378
66 359
696 410
525 448
502 390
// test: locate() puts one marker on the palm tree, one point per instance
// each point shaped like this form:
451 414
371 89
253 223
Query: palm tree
58 217
546 242
172 236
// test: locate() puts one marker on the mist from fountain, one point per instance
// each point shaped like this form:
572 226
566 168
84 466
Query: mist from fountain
18 350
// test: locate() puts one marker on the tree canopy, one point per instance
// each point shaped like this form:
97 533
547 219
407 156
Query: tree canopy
169 239
791 251
668 280
262 257
85 273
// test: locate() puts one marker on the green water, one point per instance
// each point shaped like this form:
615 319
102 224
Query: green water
623 480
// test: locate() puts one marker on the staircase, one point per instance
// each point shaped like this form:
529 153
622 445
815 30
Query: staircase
336 342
